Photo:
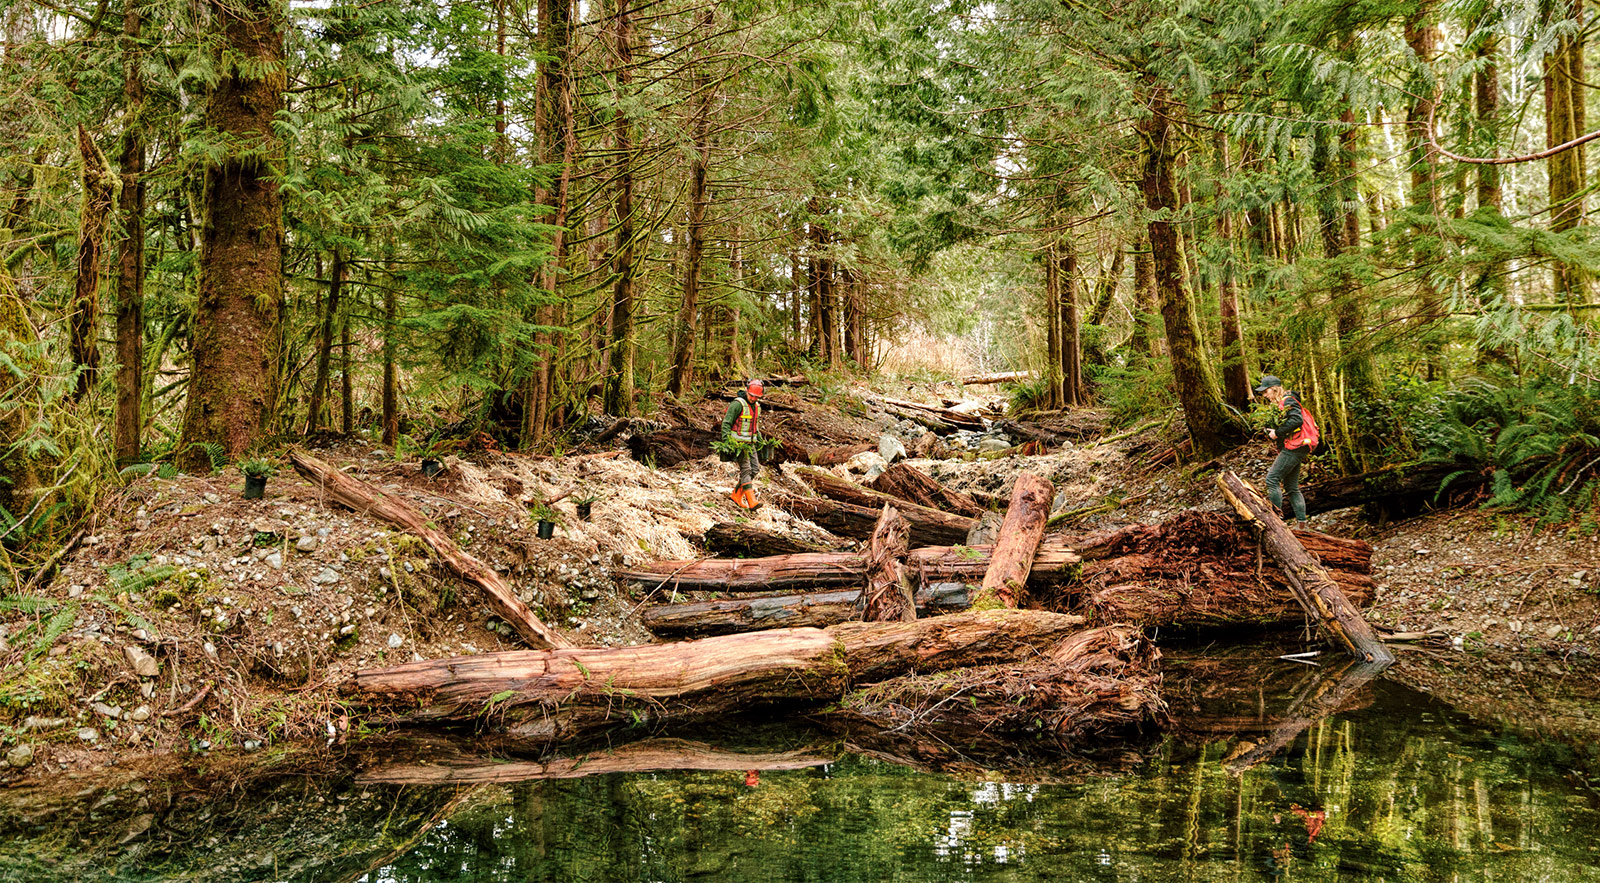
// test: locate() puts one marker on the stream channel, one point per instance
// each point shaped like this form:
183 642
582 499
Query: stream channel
1271 772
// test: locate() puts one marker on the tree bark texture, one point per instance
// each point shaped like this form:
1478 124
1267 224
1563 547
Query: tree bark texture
1565 94
1018 544
1211 428
361 497
747 540
557 694
1236 383
928 526
128 424
1072 388
1052 329
912 485
1422 36
1141 342
1313 587
316 419
619 374
99 189
698 619
555 138
887 597
233 383
683 353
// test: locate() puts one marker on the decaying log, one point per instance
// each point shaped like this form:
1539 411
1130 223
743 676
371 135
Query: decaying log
915 486
727 538
699 619
440 761
929 526
669 447
928 446
996 377
856 522
1312 586
929 564
1396 491
835 456
887 597
1018 543
944 416
557 694
368 500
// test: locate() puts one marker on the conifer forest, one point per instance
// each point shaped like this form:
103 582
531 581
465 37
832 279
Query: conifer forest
474 282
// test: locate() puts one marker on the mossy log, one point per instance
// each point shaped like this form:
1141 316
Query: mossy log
1396 491
559 694
1018 543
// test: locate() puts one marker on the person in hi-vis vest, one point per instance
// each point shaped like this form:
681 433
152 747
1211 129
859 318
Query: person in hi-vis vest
744 413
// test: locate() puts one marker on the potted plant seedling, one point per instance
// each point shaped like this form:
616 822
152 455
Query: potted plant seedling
585 505
256 473
547 519
432 458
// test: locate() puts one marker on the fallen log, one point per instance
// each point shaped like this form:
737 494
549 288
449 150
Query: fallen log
856 522
359 496
887 597
929 564
727 538
1330 691
672 447
1397 491
955 419
699 619
996 377
929 526
1312 586
558 694
836 455
1018 543
912 485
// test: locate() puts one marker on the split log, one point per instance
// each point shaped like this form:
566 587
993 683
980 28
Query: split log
915 486
929 526
368 500
727 538
1312 586
887 597
440 761
1020 534
699 619
1397 491
929 564
558 694
996 377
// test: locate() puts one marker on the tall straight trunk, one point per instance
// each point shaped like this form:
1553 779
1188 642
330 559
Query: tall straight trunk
1486 92
1235 374
1564 99
855 320
1422 35
316 419
554 135
1211 429
619 375
1105 289
736 356
797 288
347 392
683 355
391 390
233 384
1341 237
129 419
1072 391
1054 396
99 197
1142 342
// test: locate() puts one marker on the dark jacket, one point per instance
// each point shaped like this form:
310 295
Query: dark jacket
1293 418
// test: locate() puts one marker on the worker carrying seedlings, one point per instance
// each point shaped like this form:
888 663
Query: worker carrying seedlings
1296 437
741 440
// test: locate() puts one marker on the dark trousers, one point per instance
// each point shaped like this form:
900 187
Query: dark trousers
1285 476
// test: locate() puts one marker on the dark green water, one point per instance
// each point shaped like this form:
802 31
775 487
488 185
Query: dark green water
1411 789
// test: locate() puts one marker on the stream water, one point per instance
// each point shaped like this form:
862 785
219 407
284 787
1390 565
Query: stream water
1398 787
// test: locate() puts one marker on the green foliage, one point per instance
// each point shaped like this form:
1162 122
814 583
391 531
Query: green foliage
258 468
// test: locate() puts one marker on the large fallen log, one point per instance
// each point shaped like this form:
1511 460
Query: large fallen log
558 694
953 419
699 619
936 525
1312 586
996 377
929 564
1397 491
728 538
1020 533
359 496
912 485
856 522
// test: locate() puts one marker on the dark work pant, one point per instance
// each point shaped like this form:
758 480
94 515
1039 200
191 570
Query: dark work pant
748 467
1285 476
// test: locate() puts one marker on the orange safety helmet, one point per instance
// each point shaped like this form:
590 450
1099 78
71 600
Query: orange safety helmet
754 389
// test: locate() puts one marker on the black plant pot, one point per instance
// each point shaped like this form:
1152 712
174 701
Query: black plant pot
255 487
584 511
546 529
431 467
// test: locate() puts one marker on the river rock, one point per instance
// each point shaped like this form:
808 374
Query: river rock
143 664
891 448
20 757
987 530
306 544
89 734
993 443
865 461
140 714
327 577
112 711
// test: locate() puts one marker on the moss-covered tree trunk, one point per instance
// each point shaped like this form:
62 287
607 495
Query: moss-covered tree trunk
694 249
1052 330
1211 428
19 342
128 422
1071 363
1142 342
99 195
624 343
1235 373
234 378
330 315
1422 36
1564 99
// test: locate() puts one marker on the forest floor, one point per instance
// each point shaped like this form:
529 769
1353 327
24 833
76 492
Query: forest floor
190 618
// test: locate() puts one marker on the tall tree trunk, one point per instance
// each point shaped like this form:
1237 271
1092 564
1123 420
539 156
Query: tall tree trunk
855 320
391 390
1072 390
1422 35
1235 374
99 189
683 355
316 419
1210 427
1054 396
129 420
619 375
234 381
1142 342
1564 99
347 392
553 131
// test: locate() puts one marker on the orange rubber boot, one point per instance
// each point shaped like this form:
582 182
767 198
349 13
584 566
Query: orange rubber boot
737 497
750 498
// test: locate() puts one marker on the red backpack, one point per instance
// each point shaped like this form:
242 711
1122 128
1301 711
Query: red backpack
1307 435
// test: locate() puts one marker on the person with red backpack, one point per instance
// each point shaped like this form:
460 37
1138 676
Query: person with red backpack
1297 437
